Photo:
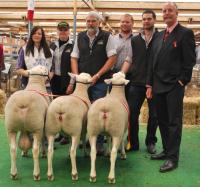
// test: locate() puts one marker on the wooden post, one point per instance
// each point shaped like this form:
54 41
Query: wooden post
75 15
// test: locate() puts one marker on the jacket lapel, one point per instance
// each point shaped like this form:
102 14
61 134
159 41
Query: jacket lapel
158 45
169 42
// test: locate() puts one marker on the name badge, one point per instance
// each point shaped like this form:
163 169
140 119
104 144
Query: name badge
100 42
67 51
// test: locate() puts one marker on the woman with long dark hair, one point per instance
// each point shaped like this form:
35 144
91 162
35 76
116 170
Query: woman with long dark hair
36 52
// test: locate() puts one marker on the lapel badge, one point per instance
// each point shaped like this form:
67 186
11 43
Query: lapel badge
174 44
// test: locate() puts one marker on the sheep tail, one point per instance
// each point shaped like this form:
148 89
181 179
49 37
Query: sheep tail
60 117
105 115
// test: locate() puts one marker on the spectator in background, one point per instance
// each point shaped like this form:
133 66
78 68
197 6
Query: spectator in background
2 65
198 54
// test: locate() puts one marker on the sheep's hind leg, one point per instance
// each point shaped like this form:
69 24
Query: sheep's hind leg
93 154
123 153
36 150
113 156
50 174
75 142
13 155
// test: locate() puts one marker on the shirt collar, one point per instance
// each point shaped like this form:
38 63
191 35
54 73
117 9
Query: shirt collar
142 32
170 29
121 36
70 41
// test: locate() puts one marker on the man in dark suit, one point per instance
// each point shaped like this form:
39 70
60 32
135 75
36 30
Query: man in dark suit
173 57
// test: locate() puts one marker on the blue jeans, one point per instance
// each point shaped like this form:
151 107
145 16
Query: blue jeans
136 97
95 92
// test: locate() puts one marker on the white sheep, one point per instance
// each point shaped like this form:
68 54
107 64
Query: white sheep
25 111
69 114
109 115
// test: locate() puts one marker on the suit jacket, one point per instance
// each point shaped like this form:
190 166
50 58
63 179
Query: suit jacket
172 60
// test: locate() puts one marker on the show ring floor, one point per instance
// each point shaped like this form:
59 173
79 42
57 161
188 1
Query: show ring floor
137 171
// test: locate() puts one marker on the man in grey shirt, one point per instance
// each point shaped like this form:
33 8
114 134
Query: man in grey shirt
123 44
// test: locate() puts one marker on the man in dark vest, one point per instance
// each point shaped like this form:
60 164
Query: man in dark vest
94 53
60 83
141 48
62 60
172 63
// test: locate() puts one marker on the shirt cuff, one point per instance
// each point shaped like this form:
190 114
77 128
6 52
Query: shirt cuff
128 59
74 55
111 52
148 86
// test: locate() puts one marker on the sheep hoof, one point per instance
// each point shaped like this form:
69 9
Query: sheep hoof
50 177
93 179
36 177
24 153
13 176
123 156
111 180
75 177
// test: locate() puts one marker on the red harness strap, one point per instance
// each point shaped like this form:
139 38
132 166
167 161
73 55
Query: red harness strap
51 95
83 100
124 103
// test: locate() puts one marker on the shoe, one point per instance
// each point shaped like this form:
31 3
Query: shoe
160 156
129 147
59 138
168 166
87 145
64 141
151 148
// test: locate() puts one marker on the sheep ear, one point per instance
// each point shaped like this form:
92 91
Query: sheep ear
126 82
71 75
107 81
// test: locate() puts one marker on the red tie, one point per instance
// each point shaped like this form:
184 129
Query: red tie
166 35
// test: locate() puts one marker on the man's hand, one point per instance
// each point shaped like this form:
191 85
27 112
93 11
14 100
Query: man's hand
149 93
51 74
95 78
69 89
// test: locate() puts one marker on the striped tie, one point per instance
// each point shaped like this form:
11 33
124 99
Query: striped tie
166 35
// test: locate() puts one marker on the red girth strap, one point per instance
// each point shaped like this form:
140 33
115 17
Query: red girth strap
124 103
83 100
51 95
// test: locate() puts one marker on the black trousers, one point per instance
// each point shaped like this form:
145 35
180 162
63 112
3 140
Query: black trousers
136 97
59 85
169 107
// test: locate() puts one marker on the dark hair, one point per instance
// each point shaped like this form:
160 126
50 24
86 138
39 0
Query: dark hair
149 11
43 43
